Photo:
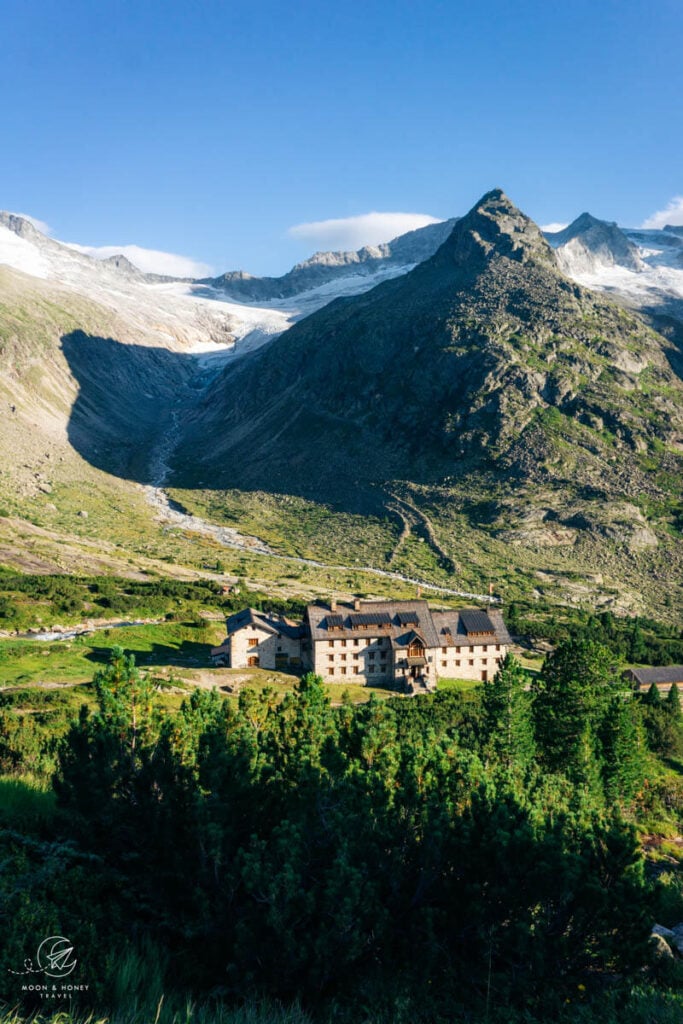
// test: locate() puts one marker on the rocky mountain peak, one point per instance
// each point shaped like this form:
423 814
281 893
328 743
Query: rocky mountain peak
589 243
21 226
494 227
122 263
584 222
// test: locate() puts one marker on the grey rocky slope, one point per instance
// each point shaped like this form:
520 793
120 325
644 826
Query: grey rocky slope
389 259
588 243
442 369
484 379
642 268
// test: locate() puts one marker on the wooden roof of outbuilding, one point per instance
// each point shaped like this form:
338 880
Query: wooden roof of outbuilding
658 674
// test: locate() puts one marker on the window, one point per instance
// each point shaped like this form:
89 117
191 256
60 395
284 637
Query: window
457 663
443 664
343 643
371 668
484 648
330 671
343 657
497 647
330 657
444 650
457 650
279 647
371 655
356 642
330 643
356 655
252 641
471 661
343 671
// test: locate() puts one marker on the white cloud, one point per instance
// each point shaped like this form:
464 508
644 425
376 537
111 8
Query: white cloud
673 214
355 232
150 261
40 225
555 226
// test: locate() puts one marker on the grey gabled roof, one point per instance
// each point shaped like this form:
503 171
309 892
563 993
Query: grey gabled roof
476 621
436 629
452 631
372 615
658 674
263 620
249 617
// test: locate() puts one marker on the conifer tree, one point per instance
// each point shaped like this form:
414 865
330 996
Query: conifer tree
506 708
623 749
653 697
637 647
125 697
571 696
672 704
104 756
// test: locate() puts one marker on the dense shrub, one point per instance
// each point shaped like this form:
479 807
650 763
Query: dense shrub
438 855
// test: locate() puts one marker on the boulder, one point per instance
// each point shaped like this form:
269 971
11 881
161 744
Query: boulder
661 950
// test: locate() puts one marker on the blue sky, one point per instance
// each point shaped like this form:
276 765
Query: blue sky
213 128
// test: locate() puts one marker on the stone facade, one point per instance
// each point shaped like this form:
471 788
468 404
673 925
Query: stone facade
394 644
259 640
404 644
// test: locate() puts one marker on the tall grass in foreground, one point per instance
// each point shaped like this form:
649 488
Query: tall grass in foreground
641 1006
27 802
252 1013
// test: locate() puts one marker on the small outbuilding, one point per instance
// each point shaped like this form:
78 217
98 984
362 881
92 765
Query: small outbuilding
260 640
663 676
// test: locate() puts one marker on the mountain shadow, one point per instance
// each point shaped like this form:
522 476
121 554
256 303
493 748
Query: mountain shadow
128 401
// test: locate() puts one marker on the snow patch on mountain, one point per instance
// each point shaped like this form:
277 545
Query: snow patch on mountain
643 267
657 287
169 312
19 253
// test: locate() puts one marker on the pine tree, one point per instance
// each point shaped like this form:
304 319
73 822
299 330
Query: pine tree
672 704
506 708
637 648
607 622
623 749
125 697
653 698
570 698
104 756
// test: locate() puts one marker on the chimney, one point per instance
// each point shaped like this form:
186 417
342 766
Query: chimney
333 605
356 604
